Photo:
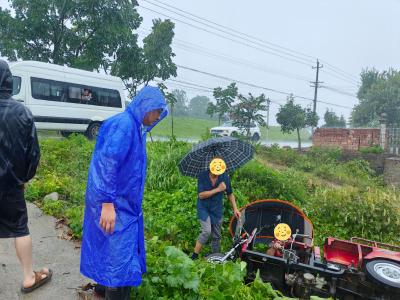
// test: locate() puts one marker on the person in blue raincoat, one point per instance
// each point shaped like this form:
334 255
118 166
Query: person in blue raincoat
113 252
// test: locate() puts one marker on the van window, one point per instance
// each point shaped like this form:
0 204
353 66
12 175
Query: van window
80 94
93 96
106 97
16 85
45 89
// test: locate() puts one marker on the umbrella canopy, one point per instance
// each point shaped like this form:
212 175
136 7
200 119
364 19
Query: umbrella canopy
233 151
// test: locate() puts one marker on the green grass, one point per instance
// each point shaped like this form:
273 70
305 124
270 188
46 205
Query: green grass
185 127
275 134
192 128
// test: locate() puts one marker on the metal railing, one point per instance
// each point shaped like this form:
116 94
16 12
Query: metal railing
393 140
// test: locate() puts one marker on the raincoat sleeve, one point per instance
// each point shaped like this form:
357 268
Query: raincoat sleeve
32 152
108 160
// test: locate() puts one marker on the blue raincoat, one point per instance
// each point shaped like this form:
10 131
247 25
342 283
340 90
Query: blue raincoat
117 174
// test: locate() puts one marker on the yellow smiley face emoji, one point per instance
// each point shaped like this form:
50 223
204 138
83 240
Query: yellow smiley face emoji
217 166
282 232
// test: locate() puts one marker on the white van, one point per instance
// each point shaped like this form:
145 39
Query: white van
67 99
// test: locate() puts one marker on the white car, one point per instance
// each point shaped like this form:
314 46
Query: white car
227 129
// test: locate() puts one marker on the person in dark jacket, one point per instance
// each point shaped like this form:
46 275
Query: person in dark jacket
211 187
19 158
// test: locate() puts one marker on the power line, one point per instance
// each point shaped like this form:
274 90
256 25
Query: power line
236 31
247 37
338 91
300 98
194 48
225 37
229 31
186 86
338 76
234 60
338 70
257 86
195 86
205 88
242 62
249 84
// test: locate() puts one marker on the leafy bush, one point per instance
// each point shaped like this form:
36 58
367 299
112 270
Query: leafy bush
54 208
75 220
162 166
171 274
323 163
63 168
372 213
375 149
255 181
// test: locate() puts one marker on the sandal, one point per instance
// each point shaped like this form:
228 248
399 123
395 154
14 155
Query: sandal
39 281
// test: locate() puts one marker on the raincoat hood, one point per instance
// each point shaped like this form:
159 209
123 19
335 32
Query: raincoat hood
148 99
6 81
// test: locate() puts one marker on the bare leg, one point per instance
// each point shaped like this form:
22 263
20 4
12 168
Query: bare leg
23 247
198 247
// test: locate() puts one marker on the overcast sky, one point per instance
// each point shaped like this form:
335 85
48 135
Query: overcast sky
347 34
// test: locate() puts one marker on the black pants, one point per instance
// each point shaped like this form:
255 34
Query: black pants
119 293
13 214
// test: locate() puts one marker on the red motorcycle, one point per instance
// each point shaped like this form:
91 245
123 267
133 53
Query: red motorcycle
350 270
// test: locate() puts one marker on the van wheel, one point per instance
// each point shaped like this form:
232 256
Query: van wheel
385 272
93 131
255 137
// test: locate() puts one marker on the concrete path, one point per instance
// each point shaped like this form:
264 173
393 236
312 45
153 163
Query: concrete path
49 250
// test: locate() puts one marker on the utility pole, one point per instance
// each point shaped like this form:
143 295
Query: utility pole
316 85
268 105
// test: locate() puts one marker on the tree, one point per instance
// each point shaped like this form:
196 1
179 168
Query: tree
83 34
90 35
342 122
368 78
333 121
248 111
293 117
224 99
171 101
138 66
198 107
379 93
180 107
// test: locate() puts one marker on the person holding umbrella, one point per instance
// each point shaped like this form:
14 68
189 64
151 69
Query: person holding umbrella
210 162
211 187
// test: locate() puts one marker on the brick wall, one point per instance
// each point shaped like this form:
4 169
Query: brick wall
346 139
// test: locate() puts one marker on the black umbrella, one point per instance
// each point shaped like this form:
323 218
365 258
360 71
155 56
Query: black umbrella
233 151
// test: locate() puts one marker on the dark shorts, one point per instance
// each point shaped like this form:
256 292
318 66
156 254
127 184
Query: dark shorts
13 214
